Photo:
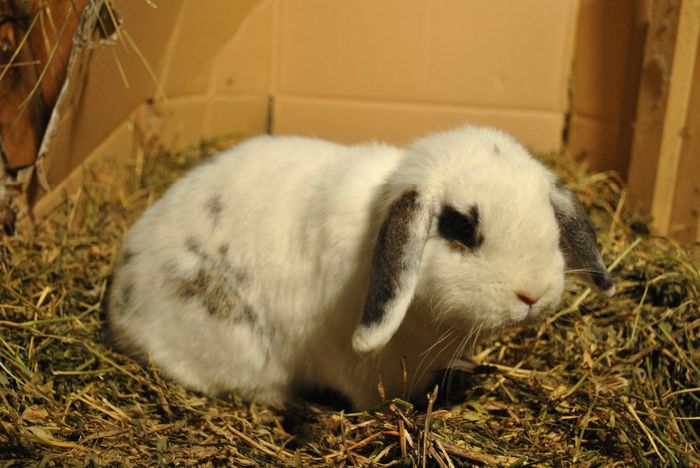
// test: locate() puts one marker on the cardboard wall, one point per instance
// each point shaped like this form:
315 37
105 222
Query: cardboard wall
605 81
347 71
357 70
161 58
159 72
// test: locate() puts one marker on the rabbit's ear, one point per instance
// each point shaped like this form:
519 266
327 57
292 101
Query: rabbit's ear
395 267
579 240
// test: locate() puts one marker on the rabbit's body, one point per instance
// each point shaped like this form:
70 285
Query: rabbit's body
253 271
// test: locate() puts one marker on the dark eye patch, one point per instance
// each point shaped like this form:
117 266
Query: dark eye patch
463 228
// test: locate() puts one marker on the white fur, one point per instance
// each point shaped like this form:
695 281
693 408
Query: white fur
299 218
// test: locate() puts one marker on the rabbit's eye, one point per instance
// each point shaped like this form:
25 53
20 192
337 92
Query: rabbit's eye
460 227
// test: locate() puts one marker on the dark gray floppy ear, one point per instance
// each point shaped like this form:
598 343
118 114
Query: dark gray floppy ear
579 239
395 267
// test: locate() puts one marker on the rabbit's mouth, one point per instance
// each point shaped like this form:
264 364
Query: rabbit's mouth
533 315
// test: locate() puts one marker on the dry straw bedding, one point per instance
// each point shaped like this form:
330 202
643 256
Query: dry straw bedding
605 381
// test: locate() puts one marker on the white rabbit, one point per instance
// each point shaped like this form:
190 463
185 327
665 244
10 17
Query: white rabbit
288 263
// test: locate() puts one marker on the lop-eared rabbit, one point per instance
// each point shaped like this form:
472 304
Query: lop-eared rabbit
286 263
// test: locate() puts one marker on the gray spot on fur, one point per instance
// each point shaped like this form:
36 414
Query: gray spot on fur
241 277
194 245
214 207
126 294
216 294
216 283
496 150
126 256
387 263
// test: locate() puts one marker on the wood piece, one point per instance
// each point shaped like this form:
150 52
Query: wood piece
51 42
30 86
20 131
685 224
674 128
664 171
651 103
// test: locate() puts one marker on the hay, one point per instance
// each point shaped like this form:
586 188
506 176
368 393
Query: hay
604 381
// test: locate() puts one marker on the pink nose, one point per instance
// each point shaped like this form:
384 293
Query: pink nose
527 298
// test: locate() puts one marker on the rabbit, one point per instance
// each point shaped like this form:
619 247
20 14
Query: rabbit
289 263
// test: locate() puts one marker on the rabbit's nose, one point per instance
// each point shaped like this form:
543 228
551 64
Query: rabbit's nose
528 297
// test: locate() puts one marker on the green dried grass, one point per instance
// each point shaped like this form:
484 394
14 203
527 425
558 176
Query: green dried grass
608 381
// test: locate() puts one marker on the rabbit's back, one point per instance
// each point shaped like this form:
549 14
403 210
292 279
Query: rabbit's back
213 280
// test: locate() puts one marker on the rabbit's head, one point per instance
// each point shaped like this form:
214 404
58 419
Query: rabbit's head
479 232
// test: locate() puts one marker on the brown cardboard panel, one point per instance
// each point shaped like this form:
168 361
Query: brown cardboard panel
100 99
604 146
237 116
244 63
183 121
351 121
495 53
609 48
352 71
116 148
176 123
203 29
97 101
141 44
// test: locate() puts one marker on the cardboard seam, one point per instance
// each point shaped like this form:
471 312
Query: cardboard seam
412 104
570 90
275 46
211 92
620 123
270 124
82 46
218 97
569 50
170 48
46 204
